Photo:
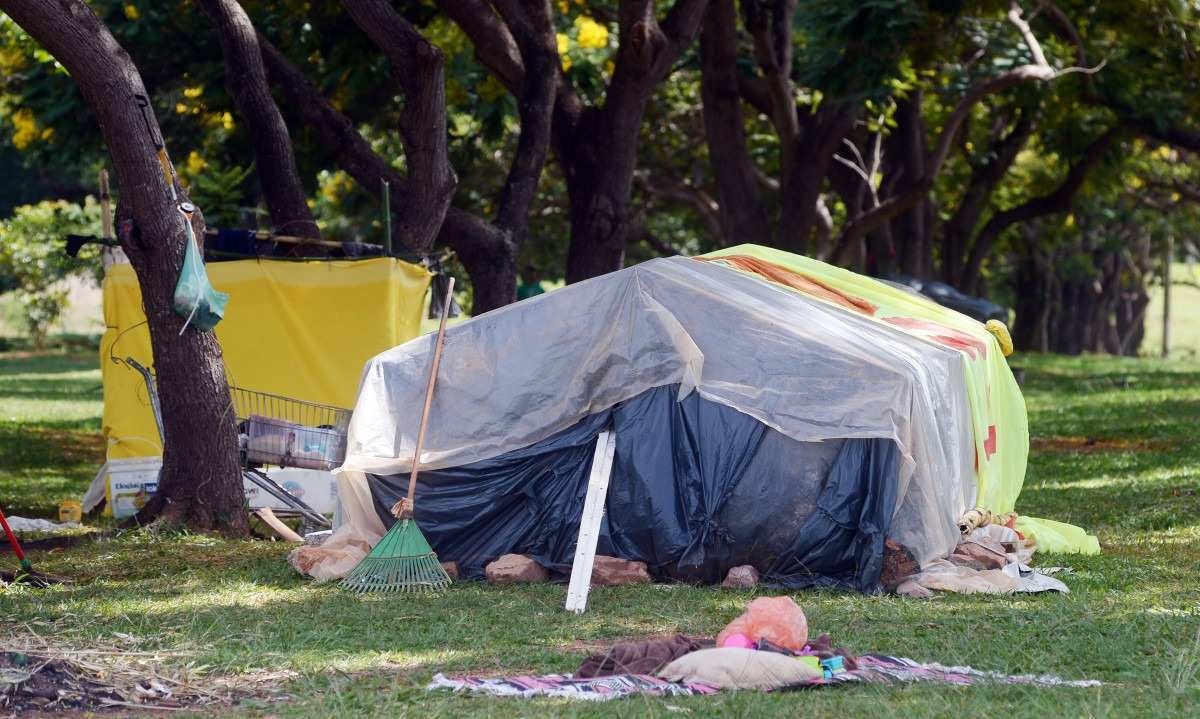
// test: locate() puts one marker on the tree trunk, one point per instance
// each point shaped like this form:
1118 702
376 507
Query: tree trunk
600 153
906 153
479 245
800 188
600 185
274 157
742 215
200 483
418 67
957 231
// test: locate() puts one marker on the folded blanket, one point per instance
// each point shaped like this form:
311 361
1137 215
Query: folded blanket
645 657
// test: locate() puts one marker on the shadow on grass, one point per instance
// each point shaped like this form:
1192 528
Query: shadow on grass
45 363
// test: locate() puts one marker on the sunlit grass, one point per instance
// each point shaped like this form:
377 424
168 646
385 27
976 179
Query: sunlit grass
236 608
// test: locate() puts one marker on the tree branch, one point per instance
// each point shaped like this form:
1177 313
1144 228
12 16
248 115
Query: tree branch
1040 71
274 156
495 47
418 67
772 35
533 28
1059 200
638 232
484 249
957 231
685 194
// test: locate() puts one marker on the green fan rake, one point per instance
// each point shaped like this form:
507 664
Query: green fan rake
403 561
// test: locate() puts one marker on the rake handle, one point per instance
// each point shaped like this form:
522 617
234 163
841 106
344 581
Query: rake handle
12 541
406 508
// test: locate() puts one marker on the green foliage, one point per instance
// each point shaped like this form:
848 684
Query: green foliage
847 48
32 260
220 192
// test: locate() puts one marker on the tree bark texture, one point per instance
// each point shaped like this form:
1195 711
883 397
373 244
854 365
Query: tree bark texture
200 484
483 248
907 152
600 154
742 215
274 156
418 67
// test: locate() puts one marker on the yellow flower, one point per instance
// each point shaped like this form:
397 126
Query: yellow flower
131 11
25 129
195 163
564 6
609 67
564 44
227 121
48 133
192 93
1070 222
591 33
181 109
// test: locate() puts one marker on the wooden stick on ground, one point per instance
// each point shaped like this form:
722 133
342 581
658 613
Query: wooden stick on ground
284 531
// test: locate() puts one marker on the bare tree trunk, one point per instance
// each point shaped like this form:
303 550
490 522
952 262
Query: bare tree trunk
1168 257
274 157
418 67
200 483
800 186
742 215
906 154
601 154
481 246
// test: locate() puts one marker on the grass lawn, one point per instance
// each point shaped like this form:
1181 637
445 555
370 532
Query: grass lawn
1115 450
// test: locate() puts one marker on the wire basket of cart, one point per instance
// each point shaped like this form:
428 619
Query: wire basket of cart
287 432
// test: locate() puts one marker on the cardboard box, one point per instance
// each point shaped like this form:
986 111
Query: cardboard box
314 487
130 484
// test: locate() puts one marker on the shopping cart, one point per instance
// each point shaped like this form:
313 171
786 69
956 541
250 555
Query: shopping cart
276 431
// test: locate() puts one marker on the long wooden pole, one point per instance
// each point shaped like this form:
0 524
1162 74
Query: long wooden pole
1166 320
404 509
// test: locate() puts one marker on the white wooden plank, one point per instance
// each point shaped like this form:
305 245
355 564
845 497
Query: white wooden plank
589 523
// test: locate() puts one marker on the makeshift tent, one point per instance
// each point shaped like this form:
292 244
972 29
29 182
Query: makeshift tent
780 413
297 329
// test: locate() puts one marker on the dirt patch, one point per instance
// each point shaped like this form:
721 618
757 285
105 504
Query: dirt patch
1087 445
39 684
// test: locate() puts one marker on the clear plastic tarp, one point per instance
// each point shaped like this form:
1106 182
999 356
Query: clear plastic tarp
805 367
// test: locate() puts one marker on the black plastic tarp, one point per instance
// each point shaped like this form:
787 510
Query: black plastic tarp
696 488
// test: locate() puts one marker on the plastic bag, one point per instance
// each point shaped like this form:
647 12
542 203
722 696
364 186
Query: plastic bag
195 300
776 619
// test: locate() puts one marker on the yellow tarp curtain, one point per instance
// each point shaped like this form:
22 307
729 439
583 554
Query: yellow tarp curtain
298 329
999 419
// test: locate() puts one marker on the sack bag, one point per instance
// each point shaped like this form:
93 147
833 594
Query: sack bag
195 300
